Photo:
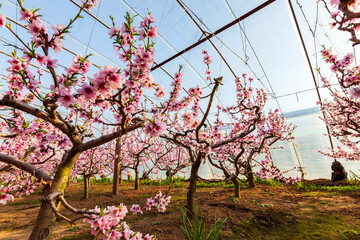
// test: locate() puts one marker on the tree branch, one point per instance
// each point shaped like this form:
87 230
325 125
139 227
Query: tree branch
27 167
217 83
10 101
107 138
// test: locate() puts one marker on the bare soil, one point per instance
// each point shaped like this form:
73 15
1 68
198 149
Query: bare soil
266 212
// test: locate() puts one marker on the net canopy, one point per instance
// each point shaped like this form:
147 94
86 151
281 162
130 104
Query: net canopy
265 44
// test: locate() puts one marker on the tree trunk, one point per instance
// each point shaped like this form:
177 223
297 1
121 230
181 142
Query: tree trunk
192 186
170 178
120 177
41 230
86 186
137 179
117 167
236 186
250 176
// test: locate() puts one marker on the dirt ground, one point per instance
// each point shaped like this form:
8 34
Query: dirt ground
266 212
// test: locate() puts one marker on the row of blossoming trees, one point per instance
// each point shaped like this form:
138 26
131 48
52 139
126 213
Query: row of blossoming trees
342 111
40 145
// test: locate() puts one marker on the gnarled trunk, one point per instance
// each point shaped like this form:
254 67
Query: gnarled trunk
42 227
236 186
192 186
250 176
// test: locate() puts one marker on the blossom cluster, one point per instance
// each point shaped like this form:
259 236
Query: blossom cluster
160 201
342 113
207 60
270 171
107 224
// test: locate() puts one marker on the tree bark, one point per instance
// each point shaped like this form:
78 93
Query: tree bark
42 226
68 182
121 179
137 179
86 186
117 167
170 178
192 186
236 186
250 176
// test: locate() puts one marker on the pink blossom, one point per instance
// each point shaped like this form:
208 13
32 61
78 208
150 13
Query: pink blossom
152 32
114 31
355 92
160 92
36 26
57 44
150 202
90 4
57 28
155 129
2 20
335 2
25 15
40 59
135 208
87 91
142 34
51 62
66 100
148 237
6 197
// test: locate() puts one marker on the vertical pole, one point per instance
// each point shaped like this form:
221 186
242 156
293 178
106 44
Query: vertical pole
311 68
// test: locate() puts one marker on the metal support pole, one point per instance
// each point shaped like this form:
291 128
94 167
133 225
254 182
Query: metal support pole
311 68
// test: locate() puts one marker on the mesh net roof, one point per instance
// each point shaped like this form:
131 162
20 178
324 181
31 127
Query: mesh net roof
266 45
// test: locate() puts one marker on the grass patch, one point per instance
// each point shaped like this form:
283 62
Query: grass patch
155 223
314 187
35 203
177 182
101 180
214 184
73 228
271 182
178 197
278 225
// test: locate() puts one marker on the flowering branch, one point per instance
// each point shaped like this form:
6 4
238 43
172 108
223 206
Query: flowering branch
25 167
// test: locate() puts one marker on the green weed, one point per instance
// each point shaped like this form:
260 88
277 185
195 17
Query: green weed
195 229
